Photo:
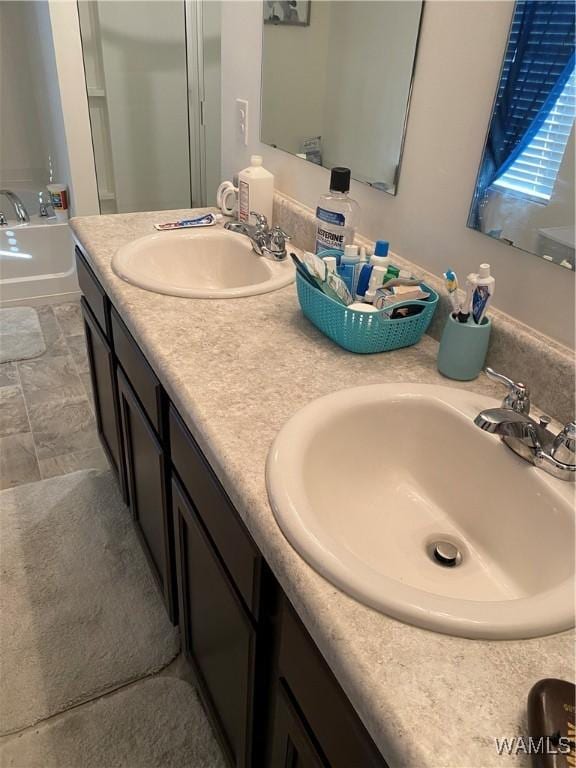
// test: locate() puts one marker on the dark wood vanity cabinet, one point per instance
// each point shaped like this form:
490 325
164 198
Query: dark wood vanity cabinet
130 414
292 744
217 635
147 472
268 692
103 375
313 722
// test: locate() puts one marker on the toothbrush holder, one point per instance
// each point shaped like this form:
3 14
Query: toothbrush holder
463 348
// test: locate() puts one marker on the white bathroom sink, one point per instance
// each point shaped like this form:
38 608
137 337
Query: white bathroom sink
364 482
200 264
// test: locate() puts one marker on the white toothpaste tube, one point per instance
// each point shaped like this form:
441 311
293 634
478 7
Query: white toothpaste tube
204 220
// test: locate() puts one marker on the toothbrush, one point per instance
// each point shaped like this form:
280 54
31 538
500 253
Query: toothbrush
452 287
464 313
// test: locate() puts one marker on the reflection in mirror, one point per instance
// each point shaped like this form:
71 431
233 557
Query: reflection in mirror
524 192
335 90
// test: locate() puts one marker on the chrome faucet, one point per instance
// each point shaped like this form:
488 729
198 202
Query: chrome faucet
265 241
17 204
45 209
533 441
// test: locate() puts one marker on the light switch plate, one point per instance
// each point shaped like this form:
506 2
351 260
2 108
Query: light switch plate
242 120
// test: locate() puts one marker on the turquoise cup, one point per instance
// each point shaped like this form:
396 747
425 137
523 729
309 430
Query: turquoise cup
463 348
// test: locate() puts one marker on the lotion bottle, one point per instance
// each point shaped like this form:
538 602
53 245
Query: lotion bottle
255 190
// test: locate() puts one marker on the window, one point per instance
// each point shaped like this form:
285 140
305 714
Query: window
534 171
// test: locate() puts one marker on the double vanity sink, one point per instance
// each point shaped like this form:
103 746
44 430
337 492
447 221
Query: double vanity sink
388 490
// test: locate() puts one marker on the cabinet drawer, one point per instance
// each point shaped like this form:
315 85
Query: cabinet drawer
217 634
330 716
93 292
233 542
140 374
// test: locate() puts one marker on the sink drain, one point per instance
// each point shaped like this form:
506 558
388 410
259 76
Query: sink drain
445 553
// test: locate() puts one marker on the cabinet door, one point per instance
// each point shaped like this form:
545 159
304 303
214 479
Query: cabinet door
105 394
217 634
292 745
146 469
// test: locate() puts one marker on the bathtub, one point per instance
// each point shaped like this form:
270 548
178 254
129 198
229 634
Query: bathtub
37 262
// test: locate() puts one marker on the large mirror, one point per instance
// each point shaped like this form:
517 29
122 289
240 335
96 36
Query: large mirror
336 80
524 193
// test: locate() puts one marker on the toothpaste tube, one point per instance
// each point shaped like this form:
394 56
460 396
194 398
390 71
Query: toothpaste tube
204 220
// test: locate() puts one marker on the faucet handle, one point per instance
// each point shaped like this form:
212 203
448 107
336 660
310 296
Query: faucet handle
261 220
518 397
564 446
279 232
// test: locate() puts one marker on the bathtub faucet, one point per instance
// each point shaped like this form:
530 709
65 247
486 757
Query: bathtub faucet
17 204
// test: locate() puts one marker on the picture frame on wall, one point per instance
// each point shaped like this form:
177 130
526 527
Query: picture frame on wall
287 13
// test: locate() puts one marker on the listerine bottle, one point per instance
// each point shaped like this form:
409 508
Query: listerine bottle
336 214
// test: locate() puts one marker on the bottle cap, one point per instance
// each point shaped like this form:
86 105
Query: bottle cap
330 262
350 254
381 248
484 270
340 179
256 160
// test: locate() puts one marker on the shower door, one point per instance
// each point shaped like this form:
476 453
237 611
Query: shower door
150 101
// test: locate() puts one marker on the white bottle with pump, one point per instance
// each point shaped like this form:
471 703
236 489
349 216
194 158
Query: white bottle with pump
255 190
336 214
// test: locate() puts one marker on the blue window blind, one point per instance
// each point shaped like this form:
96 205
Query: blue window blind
533 65
535 170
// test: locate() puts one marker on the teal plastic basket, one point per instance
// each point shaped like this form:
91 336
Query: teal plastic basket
364 332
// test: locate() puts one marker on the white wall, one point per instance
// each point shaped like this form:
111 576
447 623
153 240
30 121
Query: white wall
32 143
21 151
459 58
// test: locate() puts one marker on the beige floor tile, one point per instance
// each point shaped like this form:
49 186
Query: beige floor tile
53 336
71 462
13 416
69 318
8 375
79 352
61 428
50 380
18 464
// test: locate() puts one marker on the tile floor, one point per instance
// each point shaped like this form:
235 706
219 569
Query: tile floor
47 424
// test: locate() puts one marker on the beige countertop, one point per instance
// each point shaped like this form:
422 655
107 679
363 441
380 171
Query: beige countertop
237 370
